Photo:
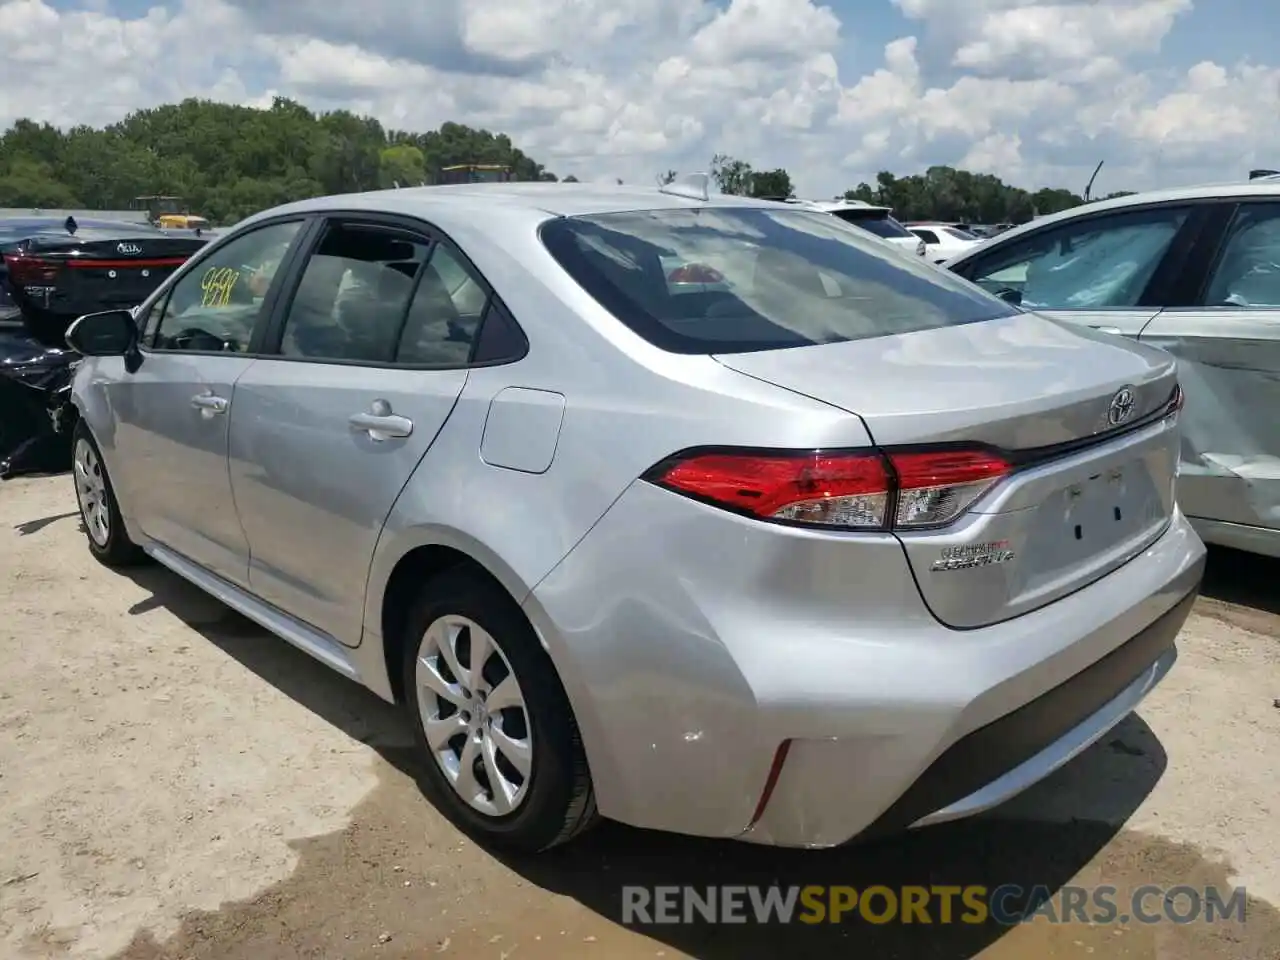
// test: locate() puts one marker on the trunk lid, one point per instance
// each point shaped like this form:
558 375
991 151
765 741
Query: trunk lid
120 271
1085 495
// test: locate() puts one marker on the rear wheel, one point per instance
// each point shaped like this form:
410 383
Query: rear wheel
504 760
99 511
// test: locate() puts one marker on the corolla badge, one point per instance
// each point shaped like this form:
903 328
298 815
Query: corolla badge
969 556
128 248
1121 408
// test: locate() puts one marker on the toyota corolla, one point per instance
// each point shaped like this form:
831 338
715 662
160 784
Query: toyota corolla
835 546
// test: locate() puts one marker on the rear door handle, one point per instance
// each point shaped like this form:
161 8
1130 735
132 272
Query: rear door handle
380 423
209 404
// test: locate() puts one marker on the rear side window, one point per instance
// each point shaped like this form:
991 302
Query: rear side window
880 224
783 278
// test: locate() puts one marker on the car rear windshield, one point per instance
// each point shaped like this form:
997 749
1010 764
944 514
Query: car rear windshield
878 222
733 280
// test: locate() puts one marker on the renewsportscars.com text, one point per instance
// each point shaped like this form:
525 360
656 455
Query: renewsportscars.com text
1006 905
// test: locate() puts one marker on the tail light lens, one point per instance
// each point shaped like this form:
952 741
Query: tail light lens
849 490
1176 401
25 271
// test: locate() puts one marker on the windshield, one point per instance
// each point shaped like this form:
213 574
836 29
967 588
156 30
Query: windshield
877 222
782 278
959 234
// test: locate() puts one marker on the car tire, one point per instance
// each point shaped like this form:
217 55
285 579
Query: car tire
99 511
548 803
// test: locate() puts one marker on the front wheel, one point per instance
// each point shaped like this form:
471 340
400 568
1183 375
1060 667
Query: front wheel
99 512
503 757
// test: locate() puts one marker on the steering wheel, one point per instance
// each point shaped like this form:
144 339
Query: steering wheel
194 338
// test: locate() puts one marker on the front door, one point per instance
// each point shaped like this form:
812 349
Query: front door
173 411
1095 271
373 348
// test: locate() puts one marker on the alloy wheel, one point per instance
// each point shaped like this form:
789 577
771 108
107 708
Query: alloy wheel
474 715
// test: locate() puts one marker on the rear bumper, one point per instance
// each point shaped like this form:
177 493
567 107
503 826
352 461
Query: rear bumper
693 644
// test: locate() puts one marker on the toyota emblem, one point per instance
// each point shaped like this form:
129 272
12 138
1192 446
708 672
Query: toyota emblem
1121 408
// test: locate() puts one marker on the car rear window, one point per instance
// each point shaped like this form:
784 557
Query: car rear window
734 280
877 222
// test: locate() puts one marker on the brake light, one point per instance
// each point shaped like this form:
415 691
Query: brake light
851 490
1176 401
25 271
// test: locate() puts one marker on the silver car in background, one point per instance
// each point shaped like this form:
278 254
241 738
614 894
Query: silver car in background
838 545
1194 271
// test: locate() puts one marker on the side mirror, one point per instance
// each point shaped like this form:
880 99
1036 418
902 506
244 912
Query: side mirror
111 333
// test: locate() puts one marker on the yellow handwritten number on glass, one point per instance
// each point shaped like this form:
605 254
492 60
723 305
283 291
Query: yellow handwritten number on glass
216 286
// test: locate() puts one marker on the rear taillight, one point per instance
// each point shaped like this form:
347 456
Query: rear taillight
1176 401
850 490
25 271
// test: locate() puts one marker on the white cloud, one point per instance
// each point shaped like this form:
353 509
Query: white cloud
1035 92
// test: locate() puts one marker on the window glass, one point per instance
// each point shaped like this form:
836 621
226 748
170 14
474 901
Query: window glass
354 292
445 313
214 307
1247 273
928 236
1099 262
877 222
787 278
959 234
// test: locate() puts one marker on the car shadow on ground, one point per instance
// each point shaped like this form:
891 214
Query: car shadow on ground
1243 579
1088 802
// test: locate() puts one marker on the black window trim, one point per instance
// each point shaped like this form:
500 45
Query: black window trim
423 231
161 298
1165 277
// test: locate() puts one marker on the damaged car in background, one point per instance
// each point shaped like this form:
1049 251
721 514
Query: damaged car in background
1195 271
51 272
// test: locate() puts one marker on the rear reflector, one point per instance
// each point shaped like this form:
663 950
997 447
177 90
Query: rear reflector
87 263
851 490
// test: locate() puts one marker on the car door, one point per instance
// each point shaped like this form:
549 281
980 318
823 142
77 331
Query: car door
1104 271
372 346
171 412
1227 341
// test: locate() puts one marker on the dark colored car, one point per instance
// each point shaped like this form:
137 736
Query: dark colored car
57 270
51 271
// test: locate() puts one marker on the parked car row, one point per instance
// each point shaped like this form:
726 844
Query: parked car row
52 271
689 553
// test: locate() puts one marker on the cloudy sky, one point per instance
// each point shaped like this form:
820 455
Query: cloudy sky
1165 91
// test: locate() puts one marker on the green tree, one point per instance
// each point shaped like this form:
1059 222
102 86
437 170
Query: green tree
772 183
229 161
731 176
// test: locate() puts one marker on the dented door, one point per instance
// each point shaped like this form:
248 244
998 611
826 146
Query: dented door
1229 367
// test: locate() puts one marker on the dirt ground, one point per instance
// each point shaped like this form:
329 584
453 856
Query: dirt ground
175 783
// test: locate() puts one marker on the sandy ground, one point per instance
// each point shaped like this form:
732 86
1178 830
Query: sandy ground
175 783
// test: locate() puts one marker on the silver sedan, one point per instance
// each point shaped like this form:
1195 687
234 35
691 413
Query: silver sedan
835 545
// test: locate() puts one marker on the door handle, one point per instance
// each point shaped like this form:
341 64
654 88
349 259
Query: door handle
209 404
380 423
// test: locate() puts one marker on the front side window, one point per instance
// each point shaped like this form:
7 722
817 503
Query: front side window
355 290
215 306
928 236
783 278
1098 262
1247 272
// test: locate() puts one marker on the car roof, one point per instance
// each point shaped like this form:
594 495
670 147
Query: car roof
1260 187
546 199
